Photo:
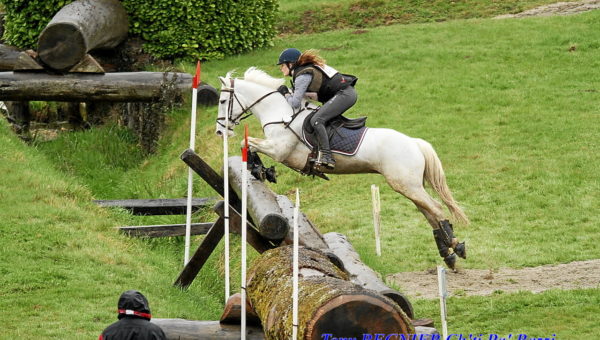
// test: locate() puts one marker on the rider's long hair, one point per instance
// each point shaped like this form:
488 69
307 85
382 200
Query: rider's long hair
311 57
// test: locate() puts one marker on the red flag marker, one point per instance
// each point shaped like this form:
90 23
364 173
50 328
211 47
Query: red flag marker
196 79
245 148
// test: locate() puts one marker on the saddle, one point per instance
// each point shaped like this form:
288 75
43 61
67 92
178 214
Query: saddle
345 137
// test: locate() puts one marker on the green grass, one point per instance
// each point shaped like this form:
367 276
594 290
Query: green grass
326 15
511 106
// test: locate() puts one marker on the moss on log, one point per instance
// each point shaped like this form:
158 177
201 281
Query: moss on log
328 302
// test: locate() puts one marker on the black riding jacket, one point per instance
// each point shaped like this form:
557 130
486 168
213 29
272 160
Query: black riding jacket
324 84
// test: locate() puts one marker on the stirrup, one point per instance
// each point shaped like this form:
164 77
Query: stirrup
325 159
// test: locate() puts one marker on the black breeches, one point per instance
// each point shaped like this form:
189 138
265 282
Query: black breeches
340 103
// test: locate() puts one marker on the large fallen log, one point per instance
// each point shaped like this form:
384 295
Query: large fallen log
329 303
262 202
80 27
108 87
361 274
179 329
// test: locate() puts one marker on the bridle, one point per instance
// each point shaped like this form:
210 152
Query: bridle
245 111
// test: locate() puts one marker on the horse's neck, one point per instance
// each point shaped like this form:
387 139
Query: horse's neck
271 109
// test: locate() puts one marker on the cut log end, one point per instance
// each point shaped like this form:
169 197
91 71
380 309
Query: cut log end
345 316
274 227
62 46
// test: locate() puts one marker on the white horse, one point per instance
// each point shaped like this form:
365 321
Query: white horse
405 162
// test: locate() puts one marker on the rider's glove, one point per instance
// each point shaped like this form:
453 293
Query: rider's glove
283 90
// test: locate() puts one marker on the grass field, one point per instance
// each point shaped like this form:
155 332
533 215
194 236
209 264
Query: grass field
511 106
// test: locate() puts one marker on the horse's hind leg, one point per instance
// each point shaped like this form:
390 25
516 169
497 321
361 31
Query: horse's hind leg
448 245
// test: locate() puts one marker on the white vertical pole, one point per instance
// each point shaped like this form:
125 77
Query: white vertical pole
376 217
295 270
443 290
244 230
188 217
226 199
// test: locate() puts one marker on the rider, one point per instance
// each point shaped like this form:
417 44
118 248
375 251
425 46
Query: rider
310 77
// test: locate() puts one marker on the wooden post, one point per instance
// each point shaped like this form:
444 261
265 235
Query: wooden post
19 116
80 27
330 303
262 203
376 217
208 245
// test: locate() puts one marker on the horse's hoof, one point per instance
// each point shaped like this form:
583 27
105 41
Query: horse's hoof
461 250
451 261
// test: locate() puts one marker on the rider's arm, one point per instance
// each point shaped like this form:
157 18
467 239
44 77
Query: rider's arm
300 86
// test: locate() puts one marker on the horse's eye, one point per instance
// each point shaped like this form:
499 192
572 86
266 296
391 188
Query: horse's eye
223 101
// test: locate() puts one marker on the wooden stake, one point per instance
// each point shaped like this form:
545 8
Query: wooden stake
244 227
376 217
188 219
295 270
443 290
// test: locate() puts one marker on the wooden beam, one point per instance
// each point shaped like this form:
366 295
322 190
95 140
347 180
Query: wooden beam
167 230
262 202
179 329
210 176
197 261
86 87
162 206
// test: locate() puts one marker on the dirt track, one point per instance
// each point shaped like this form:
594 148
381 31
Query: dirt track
559 8
574 275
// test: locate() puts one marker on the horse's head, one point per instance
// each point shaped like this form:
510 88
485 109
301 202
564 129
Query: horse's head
239 98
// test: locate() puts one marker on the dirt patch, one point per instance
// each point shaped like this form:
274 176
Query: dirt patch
559 8
467 282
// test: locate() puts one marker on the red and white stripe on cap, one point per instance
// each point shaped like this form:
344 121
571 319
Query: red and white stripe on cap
136 313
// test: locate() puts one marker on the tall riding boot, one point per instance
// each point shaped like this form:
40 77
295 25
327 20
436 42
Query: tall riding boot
325 157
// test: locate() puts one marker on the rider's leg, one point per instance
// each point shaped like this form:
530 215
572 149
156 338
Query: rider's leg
334 107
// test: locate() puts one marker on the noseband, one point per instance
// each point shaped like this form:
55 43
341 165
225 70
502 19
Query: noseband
245 111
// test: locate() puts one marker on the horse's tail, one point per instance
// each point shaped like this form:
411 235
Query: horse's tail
434 174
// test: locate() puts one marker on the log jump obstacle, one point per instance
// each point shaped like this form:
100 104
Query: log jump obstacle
63 70
339 294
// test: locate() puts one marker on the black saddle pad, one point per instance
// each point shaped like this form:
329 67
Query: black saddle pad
342 139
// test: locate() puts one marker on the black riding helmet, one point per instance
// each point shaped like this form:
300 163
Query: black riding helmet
289 55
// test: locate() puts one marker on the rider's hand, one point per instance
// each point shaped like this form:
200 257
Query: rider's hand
283 90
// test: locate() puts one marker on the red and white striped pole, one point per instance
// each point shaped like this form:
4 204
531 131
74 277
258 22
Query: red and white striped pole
244 224
188 220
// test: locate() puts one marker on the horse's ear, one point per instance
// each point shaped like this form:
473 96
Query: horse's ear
222 81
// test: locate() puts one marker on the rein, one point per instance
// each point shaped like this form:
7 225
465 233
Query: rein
245 112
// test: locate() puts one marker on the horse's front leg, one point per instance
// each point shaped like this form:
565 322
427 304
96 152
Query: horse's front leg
274 149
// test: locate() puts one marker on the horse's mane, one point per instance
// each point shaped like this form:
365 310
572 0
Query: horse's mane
258 76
